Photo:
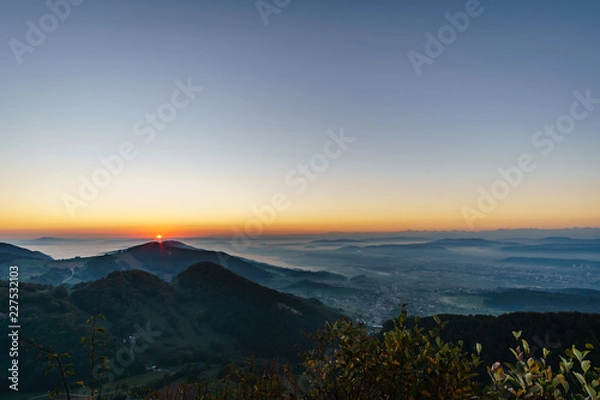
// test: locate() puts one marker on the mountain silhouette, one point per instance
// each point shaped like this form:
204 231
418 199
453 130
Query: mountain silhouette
11 254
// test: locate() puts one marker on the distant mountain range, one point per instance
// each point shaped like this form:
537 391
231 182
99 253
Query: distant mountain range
163 259
559 246
548 261
432 276
476 242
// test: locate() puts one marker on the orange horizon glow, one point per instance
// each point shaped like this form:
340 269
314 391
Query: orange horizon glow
282 229
290 223
378 206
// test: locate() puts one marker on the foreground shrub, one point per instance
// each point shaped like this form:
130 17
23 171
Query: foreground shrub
531 378
408 363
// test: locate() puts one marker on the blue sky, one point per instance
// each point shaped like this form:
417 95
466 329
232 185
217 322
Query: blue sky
424 144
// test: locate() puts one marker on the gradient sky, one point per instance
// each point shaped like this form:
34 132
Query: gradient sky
423 147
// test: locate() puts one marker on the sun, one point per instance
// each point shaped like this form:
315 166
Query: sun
159 237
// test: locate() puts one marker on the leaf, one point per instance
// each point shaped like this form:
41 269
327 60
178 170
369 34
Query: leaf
517 334
580 378
577 354
585 365
545 351
514 353
591 392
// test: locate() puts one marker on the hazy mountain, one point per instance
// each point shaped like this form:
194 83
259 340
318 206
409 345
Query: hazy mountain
8 250
471 242
165 260
334 241
504 300
568 240
555 262
52 239
509 300
387 249
170 258
562 246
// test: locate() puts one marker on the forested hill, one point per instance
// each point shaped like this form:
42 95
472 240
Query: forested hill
206 316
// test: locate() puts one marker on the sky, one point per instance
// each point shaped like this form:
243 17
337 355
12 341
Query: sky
192 118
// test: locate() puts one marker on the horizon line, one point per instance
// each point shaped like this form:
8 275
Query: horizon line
281 235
